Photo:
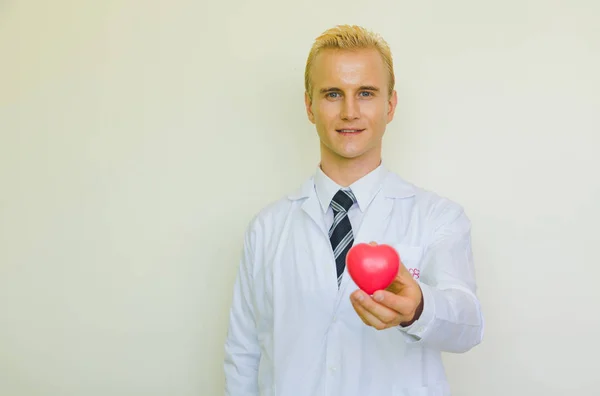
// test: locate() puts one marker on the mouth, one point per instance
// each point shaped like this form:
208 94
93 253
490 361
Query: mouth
350 131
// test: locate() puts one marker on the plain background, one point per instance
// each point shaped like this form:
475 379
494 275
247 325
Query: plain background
138 138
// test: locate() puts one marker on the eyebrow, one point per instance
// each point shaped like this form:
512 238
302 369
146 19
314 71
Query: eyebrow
361 88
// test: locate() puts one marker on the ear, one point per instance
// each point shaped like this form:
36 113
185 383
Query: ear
392 102
308 104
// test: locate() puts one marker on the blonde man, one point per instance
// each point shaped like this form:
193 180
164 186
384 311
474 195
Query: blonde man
299 326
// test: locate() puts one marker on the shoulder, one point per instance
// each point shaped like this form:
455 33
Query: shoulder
273 214
431 205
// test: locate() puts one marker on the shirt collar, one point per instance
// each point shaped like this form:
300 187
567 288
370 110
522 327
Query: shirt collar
364 189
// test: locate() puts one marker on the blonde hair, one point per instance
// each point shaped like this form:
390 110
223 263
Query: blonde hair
349 37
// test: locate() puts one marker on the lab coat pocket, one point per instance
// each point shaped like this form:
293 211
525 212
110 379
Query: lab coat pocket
411 257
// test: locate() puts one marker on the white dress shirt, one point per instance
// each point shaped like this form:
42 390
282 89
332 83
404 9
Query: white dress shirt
364 190
292 332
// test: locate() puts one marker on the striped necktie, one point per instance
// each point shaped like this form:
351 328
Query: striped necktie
340 233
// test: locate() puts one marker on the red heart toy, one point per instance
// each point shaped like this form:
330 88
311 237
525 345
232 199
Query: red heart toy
372 267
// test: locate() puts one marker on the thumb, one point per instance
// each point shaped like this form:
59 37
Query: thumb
403 278
403 273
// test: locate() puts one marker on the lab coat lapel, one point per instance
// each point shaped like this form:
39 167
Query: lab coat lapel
310 204
375 220
312 208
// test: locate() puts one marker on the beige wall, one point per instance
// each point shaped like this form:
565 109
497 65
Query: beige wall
137 138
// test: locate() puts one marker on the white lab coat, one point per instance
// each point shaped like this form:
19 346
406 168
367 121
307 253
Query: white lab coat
293 333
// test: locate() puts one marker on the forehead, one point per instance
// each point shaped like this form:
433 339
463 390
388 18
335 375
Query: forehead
346 68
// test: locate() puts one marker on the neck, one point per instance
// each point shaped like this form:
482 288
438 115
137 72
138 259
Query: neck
345 171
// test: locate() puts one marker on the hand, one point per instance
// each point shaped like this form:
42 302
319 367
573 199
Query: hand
401 303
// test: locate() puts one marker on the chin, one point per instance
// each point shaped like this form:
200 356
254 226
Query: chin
350 155
345 152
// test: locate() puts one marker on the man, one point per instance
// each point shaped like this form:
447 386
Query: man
299 326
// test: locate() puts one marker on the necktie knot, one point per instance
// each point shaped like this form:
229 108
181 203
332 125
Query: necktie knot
343 200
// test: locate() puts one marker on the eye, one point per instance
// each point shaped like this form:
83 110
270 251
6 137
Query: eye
331 95
366 94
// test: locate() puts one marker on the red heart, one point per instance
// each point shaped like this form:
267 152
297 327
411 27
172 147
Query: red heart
372 267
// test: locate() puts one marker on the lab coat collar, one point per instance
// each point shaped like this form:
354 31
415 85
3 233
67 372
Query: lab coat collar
363 189
393 187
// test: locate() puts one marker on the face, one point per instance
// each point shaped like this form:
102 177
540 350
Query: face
350 105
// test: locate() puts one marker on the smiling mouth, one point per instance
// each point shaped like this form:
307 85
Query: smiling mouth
349 131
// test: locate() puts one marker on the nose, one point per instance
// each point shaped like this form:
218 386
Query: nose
350 109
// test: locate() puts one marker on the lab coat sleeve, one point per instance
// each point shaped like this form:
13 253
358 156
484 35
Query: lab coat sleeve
451 320
242 352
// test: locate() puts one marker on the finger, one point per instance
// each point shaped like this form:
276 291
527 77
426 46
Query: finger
362 314
401 305
375 309
367 317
